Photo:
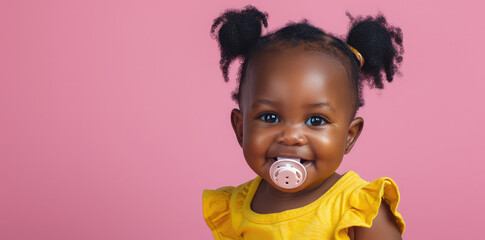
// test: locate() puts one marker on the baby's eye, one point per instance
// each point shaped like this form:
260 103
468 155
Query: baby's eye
315 121
269 118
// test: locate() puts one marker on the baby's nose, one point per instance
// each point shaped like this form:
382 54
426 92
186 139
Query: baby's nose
292 135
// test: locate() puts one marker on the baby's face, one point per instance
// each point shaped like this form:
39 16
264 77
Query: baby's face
296 104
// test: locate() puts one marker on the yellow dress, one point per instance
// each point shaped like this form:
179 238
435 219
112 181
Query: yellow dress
351 201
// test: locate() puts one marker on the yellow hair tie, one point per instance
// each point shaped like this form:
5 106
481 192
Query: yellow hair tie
358 55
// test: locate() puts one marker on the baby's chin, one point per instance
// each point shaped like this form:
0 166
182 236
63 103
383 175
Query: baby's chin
310 183
300 188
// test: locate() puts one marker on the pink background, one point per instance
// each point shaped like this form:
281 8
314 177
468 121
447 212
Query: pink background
114 116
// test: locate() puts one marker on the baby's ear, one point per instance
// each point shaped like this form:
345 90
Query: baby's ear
355 129
237 124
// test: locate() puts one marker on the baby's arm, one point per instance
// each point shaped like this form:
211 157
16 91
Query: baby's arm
383 227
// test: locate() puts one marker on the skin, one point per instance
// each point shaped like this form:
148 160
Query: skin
298 103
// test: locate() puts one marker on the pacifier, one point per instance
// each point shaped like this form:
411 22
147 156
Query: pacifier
287 172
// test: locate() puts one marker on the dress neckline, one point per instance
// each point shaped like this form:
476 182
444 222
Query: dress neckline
295 212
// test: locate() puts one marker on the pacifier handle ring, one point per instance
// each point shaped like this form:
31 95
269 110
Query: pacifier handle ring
287 173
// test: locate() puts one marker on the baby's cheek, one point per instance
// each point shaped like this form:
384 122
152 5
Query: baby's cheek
331 146
256 145
257 139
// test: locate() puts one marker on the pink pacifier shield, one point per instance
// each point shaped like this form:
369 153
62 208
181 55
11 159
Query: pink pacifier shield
287 173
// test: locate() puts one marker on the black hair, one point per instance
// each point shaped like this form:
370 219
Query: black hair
379 44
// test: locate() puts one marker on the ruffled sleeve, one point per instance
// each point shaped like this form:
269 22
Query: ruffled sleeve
363 205
216 211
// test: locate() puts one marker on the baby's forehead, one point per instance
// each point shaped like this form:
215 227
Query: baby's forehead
295 71
270 55
302 60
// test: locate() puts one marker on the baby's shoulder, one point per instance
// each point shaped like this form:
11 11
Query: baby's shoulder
217 205
362 201
225 193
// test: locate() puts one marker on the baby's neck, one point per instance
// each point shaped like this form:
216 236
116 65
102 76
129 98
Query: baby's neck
268 199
